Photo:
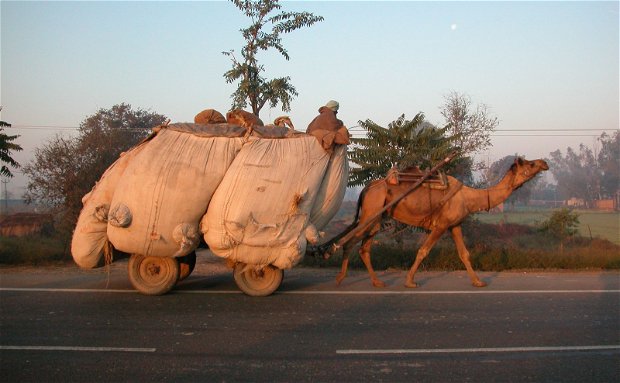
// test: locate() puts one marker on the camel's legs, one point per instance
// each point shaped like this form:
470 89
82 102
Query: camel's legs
371 202
426 247
366 237
346 249
457 236
365 256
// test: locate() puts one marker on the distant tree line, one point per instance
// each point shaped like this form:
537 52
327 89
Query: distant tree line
584 174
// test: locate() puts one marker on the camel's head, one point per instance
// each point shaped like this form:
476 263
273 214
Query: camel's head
525 170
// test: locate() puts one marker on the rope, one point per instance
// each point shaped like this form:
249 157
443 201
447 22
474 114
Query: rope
108 257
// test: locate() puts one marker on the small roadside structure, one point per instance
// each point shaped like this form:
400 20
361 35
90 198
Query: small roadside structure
24 224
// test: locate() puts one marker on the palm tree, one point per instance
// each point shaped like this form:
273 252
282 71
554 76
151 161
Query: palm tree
404 143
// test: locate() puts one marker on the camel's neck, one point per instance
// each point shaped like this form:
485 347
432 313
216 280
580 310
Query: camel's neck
486 199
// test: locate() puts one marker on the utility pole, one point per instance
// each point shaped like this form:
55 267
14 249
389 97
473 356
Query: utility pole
6 197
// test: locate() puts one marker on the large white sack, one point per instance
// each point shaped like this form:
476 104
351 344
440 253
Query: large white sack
89 236
260 212
165 191
332 190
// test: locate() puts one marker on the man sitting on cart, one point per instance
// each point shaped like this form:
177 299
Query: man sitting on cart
328 129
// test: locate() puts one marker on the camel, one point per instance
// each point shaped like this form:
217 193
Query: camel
430 207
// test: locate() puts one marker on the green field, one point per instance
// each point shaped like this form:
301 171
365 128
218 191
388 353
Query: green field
592 224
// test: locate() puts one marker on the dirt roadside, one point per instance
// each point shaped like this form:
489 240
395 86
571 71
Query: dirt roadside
211 272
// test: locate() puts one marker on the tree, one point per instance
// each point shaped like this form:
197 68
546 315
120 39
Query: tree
254 89
582 174
404 143
473 127
54 173
609 163
498 169
544 191
66 168
577 173
6 147
463 170
562 225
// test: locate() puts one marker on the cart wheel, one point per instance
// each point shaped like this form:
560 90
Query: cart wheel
186 265
257 283
153 275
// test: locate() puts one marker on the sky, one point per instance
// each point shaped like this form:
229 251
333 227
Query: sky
549 71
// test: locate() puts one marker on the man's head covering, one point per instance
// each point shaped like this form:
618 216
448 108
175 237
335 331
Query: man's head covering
333 105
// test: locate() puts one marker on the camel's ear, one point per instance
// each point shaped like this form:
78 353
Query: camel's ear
518 162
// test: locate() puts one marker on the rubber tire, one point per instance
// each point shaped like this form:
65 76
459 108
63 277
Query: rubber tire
256 284
152 275
187 264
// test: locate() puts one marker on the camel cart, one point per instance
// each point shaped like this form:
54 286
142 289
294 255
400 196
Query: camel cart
256 195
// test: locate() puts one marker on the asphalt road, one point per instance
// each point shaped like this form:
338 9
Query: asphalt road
65 324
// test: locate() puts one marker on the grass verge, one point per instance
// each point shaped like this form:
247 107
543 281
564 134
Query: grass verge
592 224
33 250
493 247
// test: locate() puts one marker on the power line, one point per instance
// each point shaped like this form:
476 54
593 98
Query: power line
554 130
355 127
6 197
357 130
544 135
42 127
543 132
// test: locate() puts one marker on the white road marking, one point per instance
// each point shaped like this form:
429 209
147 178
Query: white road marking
478 350
70 348
453 292
321 292
53 290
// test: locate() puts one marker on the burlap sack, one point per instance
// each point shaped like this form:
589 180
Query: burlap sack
209 116
332 190
165 191
260 213
90 234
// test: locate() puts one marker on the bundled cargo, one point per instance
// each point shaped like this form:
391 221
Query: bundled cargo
150 201
333 187
166 189
90 239
260 214
256 193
